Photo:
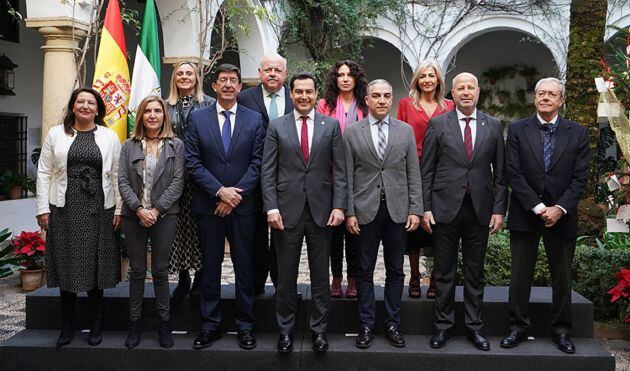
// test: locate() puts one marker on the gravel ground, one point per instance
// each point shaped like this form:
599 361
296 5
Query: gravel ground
13 312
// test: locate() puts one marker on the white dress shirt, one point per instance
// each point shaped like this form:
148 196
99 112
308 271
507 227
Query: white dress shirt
461 118
374 129
221 117
279 100
310 124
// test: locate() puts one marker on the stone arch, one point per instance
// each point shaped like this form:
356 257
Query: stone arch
620 18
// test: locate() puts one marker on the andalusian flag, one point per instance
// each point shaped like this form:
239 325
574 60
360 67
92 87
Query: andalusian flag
146 68
111 75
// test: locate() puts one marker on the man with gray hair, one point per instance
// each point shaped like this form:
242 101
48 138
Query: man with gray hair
465 194
547 160
384 203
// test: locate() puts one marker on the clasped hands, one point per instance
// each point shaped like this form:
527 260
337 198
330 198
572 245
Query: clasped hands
229 198
550 215
147 217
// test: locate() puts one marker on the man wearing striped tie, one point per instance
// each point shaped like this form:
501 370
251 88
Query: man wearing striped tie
384 203
465 196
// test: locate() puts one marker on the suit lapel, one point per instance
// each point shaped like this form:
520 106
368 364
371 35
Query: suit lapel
482 128
453 124
533 136
167 151
214 129
136 157
562 139
288 103
367 135
289 126
238 127
319 126
260 101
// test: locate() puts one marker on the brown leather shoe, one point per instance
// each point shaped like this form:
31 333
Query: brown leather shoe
335 288
351 290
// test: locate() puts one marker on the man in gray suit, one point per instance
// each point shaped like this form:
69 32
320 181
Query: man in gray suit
304 194
465 197
384 203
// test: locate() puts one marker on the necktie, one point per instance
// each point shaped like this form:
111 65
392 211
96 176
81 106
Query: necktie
304 139
548 144
382 141
273 107
468 145
226 133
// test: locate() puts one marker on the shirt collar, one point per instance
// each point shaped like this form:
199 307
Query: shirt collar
232 110
266 93
542 121
373 120
461 116
311 115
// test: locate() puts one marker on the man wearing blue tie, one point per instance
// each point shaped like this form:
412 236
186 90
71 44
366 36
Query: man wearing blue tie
223 155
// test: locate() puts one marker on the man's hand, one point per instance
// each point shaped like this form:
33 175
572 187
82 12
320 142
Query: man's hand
496 222
146 217
336 218
230 195
551 215
413 221
275 221
223 209
427 221
352 225
116 221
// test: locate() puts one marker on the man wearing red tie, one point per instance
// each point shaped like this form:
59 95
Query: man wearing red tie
305 195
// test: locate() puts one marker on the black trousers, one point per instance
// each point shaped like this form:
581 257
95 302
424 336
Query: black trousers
394 238
560 252
342 238
289 248
264 252
474 240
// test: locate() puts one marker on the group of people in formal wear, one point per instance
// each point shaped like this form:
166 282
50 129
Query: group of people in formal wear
340 173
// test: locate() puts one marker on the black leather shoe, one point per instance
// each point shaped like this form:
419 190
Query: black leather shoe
395 337
183 285
246 339
364 338
135 332
478 340
564 343
513 339
439 339
66 335
285 343
206 338
320 343
165 335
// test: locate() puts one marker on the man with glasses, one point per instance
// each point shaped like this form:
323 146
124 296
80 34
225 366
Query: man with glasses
224 145
547 160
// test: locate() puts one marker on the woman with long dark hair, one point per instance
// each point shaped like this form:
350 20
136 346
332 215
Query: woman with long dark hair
344 99
79 205
426 100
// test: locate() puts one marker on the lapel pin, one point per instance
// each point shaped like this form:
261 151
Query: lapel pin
322 122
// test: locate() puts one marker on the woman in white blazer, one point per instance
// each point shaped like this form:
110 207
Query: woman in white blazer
79 205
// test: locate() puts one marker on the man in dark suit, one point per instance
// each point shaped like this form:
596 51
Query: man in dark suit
223 154
547 161
271 99
465 195
305 194
384 203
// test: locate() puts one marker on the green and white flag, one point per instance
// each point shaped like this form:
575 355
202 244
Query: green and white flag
146 68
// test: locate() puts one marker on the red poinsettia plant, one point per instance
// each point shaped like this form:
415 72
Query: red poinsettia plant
30 248
622 290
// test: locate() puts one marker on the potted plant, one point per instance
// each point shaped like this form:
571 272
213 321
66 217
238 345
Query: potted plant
7 260
493 75
13 184
622 290
529 73
30 248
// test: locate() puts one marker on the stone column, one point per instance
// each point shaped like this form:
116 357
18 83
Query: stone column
61 42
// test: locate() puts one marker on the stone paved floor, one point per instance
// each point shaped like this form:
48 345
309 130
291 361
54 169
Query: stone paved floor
12 305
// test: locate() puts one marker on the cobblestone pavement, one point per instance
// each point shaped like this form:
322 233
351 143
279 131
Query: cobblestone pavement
13 312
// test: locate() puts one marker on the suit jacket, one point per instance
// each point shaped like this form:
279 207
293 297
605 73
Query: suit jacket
211 168
168 182
398 176
561 185
288 184
446 172
252 98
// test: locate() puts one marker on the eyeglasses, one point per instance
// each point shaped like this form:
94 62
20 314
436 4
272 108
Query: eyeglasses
550 94
224 80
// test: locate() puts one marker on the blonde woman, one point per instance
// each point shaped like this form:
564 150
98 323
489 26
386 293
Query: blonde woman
151 181
425 101
186 95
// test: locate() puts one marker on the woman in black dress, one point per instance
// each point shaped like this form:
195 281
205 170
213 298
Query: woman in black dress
79 205
186 95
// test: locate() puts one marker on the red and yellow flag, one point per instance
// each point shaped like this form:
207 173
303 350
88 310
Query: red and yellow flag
111 75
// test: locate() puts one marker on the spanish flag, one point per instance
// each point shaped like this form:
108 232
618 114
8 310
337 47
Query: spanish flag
111 75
